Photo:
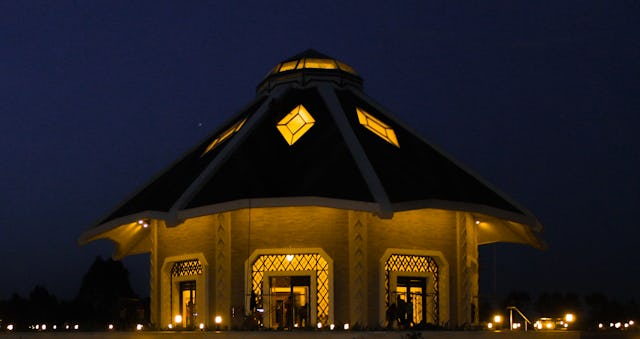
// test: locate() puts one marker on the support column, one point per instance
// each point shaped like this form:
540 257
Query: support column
222 272
154 277
463 278
358 310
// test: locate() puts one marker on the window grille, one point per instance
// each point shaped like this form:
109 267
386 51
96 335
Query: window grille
186 268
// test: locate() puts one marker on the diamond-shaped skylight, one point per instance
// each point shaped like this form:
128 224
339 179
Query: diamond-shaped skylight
295 124
378 127
226 134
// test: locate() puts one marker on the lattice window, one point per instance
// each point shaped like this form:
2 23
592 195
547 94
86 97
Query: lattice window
295 262
186 268
413 263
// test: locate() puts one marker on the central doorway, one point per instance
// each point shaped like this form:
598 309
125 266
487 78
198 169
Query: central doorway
289 301
411 299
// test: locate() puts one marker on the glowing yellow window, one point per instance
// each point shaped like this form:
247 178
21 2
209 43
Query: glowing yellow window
319 63
378 127
287 66
226 134
295 124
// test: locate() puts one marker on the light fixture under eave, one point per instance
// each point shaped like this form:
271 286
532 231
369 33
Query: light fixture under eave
295 124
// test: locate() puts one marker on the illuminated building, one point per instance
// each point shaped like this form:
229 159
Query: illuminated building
313 206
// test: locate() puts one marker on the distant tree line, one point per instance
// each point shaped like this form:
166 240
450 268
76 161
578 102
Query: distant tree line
105 297
590 309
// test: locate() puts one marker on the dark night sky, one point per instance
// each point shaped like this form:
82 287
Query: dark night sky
541 98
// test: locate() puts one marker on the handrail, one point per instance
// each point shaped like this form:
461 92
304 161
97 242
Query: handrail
526 320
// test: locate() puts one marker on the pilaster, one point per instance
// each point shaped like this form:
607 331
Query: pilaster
358 310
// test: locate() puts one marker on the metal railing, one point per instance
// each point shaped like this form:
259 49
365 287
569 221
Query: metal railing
526 320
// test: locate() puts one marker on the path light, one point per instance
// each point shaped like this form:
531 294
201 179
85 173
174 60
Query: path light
319 325
178 319
332 326
569 317
218 319
346 326
110 327
139 327
497 318
490 326
10 327
201 327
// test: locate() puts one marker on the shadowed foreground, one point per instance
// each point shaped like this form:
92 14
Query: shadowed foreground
324 334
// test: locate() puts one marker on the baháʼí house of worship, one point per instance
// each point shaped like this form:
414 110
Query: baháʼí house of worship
313 206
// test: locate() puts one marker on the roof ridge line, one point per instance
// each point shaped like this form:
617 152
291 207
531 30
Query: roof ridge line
195 187
357 151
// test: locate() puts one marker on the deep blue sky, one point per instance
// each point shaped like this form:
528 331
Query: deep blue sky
541 98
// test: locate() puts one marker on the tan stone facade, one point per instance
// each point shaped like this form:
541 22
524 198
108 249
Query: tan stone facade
355 251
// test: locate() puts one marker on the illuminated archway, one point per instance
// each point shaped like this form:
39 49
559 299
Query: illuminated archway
430 266
315 263
184 288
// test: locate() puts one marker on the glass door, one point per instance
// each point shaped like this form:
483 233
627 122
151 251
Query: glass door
411 298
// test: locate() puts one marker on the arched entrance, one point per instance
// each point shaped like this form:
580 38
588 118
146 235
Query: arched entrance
291 288
411 285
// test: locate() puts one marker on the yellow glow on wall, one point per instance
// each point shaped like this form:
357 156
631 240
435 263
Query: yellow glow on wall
378 127
226 134
295 124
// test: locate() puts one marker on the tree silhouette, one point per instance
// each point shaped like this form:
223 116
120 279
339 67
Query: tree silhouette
104 291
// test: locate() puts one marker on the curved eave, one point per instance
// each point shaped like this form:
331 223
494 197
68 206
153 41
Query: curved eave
128 235
494 225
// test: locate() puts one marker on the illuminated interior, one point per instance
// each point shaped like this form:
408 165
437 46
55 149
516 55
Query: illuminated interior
312 63
413 289
188 302
378 127
313 262
295 124
289 301
184 274
226 134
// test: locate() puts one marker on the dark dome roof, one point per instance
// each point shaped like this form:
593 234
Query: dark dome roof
312 137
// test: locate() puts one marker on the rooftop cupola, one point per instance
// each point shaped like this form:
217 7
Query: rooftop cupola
307 67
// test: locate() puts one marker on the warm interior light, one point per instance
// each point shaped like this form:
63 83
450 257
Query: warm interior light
295 124
497 319
378 127
224 136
